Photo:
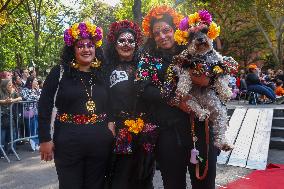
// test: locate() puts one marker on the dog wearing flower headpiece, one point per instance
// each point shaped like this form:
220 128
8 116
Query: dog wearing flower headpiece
203 74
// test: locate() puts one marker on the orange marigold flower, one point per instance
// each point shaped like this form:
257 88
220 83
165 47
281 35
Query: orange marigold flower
193 18
158 12
214 31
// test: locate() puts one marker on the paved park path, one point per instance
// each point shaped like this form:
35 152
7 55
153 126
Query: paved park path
31 173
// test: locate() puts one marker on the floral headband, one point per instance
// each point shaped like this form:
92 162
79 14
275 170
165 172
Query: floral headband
83 30
158 13
196 22
115 27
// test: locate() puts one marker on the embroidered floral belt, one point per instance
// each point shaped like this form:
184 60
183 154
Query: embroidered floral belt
81 118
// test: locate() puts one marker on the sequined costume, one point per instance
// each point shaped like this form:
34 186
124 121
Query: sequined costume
206 101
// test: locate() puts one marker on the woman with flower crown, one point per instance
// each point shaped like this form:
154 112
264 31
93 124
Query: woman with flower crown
133 165
174 139
82 139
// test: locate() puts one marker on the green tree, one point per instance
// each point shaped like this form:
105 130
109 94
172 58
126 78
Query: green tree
269 18
36 34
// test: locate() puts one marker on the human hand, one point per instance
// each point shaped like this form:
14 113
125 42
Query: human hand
183 103
9 100
111 127
46 151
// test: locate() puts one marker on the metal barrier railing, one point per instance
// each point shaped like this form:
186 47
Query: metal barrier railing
23 125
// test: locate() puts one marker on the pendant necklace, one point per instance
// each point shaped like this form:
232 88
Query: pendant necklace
90 104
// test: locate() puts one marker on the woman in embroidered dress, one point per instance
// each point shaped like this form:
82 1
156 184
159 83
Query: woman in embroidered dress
124 38
82 140
175 140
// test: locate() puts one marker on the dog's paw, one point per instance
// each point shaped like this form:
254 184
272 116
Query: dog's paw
225 146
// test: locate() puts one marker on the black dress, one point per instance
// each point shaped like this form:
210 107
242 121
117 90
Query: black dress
125 105
82 140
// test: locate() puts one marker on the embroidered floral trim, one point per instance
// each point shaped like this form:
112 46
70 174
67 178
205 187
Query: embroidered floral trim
145 139
81 119
148 67
170 82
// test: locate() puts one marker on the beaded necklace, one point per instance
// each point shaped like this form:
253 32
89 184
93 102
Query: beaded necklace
90 104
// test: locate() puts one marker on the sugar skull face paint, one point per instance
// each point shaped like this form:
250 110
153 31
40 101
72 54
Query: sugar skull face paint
126 39
125 46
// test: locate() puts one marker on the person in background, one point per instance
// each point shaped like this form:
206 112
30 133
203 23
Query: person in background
254 84
17 83
25 74
33 73
82 139
279 91
232 81
279 75
31 92
7 96
40 83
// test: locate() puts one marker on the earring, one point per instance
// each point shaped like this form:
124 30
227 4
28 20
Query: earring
96 63
74 64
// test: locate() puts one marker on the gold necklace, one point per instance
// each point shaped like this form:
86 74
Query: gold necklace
90 104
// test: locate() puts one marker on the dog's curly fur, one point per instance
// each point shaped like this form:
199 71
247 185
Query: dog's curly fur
198 60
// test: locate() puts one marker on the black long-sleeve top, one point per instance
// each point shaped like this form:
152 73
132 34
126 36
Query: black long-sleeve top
71 97
252 79
160 112
122 89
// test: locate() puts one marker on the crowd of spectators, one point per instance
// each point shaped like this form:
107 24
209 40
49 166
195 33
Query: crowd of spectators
19 86
267 85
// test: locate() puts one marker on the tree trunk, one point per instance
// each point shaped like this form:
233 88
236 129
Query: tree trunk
137 12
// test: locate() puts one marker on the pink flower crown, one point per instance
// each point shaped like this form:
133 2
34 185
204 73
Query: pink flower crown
196 22
83 30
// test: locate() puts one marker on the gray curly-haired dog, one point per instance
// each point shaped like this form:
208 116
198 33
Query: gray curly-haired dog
203 76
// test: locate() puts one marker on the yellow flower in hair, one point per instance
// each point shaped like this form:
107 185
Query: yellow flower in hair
91 28
99 43
75 31
181 37
214 31
193 18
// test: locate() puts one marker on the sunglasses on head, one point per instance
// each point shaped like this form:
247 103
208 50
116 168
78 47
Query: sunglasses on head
88 45
164 30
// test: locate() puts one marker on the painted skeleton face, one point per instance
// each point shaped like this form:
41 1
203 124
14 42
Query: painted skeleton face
163 35
125 46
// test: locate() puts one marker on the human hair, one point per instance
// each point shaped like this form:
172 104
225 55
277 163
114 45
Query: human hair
22 70
68 55
14 79
279 83
29 82
150 44
250 70
111 53
3 88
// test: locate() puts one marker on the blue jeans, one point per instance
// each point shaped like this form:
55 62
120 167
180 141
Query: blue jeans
264 90
32 127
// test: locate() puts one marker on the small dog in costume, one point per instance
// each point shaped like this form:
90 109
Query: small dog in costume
203 74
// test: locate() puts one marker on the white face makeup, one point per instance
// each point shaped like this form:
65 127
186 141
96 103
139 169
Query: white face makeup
125 46
126 39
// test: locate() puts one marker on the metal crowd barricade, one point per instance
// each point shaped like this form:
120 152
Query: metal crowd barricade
19 124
